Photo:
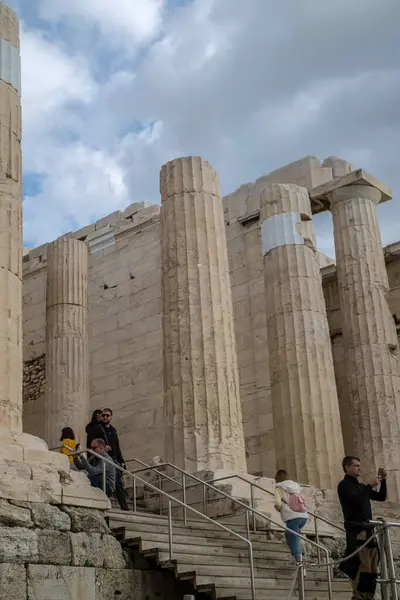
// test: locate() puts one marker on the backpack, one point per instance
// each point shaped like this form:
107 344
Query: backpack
297 503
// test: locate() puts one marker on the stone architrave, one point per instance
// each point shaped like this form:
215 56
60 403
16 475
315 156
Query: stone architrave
369 331
305 406
10 225
67 369
201 388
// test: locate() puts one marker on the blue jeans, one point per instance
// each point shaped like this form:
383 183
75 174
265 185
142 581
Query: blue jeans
293 541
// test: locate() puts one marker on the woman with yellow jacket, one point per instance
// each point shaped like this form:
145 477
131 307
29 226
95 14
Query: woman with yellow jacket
68 439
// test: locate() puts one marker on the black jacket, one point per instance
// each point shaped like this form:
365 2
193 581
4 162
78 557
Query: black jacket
110 436
355 498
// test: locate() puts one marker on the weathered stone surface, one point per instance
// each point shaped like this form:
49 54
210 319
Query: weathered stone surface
369 332
54 547
14 516
46 516
84 496
304 399
117 584
18 545
10 234
12 582
86 520
201 384
60 583
67 377
113 555
87 549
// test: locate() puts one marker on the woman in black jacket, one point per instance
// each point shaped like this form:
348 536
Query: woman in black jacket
92 428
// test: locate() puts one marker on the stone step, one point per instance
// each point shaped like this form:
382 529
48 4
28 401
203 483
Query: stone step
143 517
235 569
192 530
238 559
225 593
151 547
263 583
186 538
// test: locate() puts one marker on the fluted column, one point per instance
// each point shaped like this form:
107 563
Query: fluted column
369 331
67 370
10 225
304 399
201 387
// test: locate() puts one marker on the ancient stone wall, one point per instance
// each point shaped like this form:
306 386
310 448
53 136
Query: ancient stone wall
66 552
125 336
125 326
248 295
34 379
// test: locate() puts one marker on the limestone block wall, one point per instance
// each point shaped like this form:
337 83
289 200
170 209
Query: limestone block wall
246 268
125 336
34 378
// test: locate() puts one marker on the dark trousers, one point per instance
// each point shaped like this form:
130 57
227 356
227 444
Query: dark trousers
97 482
120 491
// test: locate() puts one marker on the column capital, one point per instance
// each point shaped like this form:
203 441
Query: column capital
191 175
325 193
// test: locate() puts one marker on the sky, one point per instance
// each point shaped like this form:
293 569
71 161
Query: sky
114 89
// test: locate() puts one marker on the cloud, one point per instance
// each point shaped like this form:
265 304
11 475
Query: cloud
250 86
129 21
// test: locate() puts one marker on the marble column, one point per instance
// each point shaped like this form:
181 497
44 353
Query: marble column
305 406
67 369
201 388
369 331
10 225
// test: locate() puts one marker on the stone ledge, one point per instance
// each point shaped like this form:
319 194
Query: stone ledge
358 177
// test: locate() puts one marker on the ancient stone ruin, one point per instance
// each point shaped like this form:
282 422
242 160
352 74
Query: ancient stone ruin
219 335
224 342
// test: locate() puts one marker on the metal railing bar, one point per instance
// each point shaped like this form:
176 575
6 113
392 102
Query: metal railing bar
256 485
385 525
180 503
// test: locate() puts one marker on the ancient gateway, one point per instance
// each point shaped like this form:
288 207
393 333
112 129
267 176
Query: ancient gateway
224 343
215 330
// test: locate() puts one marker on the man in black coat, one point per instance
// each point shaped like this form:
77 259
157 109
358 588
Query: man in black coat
355 498
108 433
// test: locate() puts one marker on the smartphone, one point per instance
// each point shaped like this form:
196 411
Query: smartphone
380 472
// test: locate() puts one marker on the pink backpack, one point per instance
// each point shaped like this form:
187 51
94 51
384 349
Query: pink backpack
297 503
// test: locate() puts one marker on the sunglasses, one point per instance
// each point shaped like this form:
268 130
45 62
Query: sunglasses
106 415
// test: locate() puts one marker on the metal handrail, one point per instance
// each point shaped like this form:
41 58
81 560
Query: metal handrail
208 485
180 503
384 530
239 502
253 485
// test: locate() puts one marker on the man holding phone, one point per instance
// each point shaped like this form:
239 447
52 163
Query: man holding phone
355 499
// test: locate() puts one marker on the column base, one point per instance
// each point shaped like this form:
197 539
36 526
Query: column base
29 472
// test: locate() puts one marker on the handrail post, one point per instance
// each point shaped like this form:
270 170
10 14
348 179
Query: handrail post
170 544
205 499
329 577
390 563
253 507
104 478
160 496
300 581
317 536
184 498
134 495
251 558
384 571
